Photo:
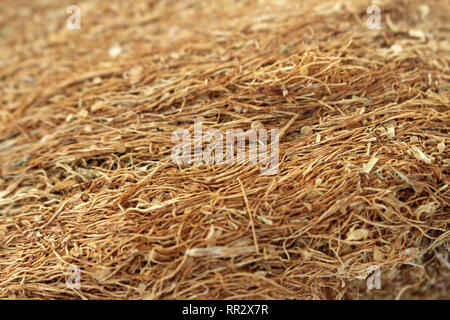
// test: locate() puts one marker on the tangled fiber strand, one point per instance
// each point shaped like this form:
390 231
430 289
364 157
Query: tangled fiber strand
87 177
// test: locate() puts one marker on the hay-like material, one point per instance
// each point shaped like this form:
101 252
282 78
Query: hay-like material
87 179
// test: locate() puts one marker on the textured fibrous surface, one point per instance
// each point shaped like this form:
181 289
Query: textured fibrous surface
87 178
